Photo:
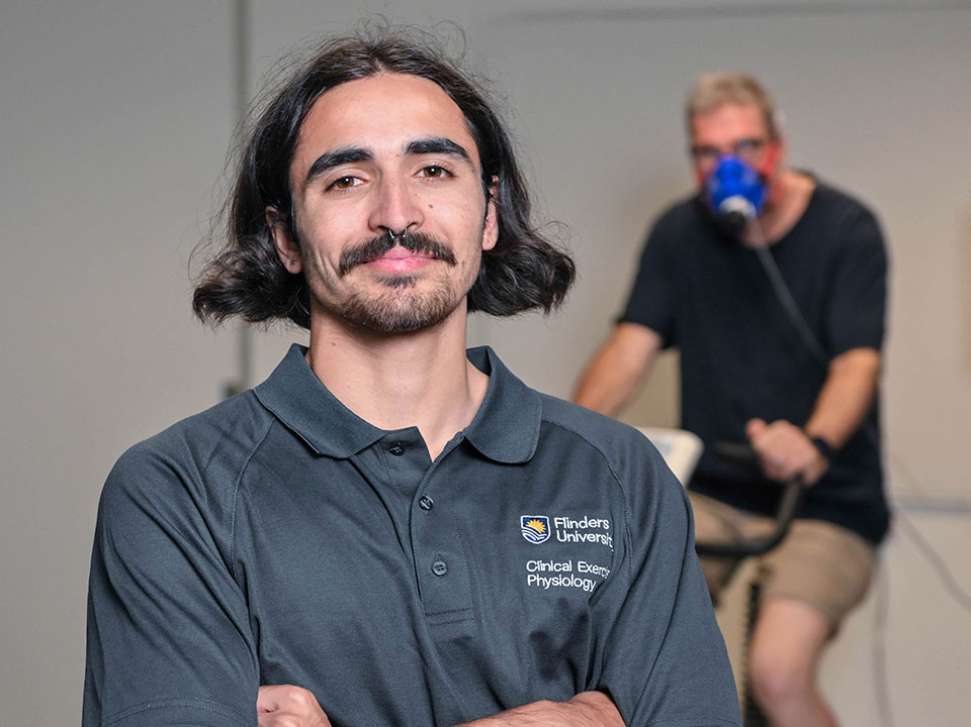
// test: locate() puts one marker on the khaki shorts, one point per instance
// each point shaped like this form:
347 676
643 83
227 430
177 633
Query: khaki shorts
818 563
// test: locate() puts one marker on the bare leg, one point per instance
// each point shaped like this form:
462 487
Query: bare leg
789 638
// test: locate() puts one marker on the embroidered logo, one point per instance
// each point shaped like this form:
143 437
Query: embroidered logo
535 528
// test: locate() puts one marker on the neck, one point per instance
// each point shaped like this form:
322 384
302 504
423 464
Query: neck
788 198
418 379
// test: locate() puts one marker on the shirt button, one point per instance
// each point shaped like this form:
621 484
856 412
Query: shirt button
426 503
439 568
396 449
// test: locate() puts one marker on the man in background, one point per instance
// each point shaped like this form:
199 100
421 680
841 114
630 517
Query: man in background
393 530
772 285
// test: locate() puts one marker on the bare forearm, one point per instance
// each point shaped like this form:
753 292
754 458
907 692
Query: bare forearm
785 450
846 396
613 374
587 709
604 386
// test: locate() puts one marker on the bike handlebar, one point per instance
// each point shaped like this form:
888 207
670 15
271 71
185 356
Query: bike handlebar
789 502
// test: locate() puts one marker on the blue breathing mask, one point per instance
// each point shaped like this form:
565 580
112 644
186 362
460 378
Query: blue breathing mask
736 191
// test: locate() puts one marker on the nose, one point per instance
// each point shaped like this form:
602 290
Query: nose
396 207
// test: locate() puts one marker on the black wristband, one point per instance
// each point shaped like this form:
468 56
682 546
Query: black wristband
823 447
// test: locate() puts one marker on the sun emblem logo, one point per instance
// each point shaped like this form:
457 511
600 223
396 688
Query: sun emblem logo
535 528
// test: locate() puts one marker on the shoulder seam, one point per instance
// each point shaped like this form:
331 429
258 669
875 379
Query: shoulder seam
620 486
236 485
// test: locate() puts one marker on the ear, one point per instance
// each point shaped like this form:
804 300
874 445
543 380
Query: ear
490 231
286 248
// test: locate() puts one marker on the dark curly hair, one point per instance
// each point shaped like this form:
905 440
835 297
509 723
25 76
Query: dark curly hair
246 278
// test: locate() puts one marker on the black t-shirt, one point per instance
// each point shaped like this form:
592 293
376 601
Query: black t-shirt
742 355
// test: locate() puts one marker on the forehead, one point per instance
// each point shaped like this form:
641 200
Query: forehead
381 113
729 121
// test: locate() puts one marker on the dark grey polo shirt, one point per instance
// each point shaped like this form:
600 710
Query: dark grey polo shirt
279 538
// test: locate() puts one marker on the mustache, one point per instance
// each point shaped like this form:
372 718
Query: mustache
417 242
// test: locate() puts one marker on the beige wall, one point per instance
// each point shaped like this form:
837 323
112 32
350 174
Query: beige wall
116 118
113 130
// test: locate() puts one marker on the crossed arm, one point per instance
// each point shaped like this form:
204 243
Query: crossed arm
290 706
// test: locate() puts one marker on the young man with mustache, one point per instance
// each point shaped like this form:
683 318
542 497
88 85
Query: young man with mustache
392 530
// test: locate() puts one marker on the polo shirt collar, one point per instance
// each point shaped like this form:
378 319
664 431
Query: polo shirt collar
505 429
295 395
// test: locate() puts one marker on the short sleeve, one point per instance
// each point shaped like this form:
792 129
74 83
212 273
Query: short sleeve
651 301
168 637
856 307
663 657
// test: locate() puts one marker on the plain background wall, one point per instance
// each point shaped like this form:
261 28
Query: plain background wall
116 119
114 125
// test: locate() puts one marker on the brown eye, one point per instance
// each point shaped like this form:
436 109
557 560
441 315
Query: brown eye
435 172
344 183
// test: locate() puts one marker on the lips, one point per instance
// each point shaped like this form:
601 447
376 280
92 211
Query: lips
399 253
396 253
399 260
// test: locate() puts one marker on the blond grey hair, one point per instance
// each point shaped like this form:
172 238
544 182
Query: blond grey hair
716 89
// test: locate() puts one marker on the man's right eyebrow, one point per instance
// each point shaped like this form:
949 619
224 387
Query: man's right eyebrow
335 158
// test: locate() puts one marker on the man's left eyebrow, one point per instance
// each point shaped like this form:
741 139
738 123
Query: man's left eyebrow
437 145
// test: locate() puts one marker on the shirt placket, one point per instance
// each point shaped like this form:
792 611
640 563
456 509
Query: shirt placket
441 563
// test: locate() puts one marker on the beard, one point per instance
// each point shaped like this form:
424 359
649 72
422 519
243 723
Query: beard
398 306
401 309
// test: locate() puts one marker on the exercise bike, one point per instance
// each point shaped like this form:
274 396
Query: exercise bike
681 450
